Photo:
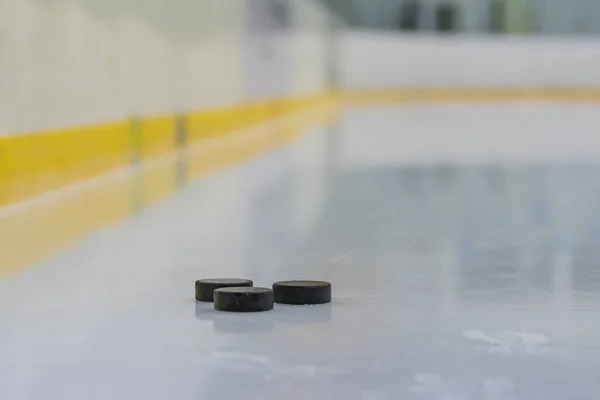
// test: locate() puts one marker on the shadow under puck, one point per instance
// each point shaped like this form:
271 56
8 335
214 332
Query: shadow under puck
237 325
294 315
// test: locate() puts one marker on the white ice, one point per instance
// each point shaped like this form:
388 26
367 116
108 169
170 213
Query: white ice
446 231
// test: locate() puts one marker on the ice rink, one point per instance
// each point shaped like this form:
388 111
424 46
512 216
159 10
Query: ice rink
462 242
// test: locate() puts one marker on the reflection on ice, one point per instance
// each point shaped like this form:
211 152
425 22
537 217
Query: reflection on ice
509 342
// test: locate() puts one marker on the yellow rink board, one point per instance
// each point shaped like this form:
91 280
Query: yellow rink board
363 97
58 186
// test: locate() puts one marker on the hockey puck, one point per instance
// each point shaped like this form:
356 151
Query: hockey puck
206 287
243 299
302 292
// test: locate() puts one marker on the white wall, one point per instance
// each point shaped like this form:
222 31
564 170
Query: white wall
381 60
74 62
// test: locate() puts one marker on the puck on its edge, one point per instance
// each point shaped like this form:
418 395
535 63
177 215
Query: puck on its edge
302 292
206 287
243 299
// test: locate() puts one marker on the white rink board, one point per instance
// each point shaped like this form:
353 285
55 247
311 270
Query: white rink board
83 62
470 133
399 61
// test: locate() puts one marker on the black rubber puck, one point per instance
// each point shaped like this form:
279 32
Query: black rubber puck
243 299
302 292
206 287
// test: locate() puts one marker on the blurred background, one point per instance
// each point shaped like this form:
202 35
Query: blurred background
541 17
90 88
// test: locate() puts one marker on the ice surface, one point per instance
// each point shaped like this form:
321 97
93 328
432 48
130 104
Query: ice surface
470 281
